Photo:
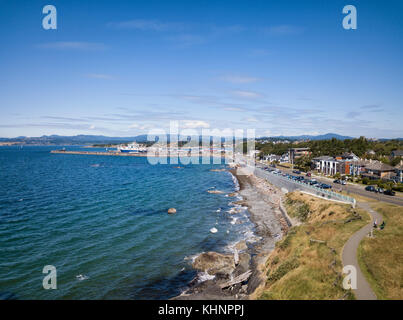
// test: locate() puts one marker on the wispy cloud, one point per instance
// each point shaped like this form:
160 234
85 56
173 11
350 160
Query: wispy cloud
147 25
194 124
372 108
186 40
250 119
101 76
246 94
258 53
282 30
352 114
239 79
72 45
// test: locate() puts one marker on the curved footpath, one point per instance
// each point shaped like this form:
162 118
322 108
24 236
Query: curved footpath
349 255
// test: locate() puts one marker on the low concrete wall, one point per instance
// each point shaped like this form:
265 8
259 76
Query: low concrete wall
292 185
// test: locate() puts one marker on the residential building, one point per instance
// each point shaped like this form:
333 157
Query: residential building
378 170
399 172
271 157
295 153
396 153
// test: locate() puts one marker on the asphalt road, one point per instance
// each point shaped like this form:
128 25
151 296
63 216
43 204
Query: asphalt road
353 189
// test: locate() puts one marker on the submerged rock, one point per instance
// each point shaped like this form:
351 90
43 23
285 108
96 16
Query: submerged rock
213 263
241 245
214 191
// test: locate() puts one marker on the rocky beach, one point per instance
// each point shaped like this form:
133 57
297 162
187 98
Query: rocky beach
238 274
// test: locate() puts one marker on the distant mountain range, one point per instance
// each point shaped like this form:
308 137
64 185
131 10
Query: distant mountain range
326 136
99 139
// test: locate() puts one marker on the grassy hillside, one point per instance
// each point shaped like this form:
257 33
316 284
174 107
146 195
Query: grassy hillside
306 264
381 257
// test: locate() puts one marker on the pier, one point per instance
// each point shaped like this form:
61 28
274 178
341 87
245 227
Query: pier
140 154
105 153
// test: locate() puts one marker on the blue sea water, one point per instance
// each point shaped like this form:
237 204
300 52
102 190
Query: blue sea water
106 218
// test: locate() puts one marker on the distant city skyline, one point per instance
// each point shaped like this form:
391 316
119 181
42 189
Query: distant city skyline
121 68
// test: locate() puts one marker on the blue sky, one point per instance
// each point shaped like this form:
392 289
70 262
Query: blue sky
119 68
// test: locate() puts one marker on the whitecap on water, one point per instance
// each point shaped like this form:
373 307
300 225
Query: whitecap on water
213 230
81 277
204 276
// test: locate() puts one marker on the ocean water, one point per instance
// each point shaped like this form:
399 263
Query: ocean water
105 218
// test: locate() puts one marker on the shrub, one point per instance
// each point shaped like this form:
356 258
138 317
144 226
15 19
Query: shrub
283 269
303 212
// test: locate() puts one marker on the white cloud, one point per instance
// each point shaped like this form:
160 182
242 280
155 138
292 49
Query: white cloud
246 94
92 127
251 119
193 124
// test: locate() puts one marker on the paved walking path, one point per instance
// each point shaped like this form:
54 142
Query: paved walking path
349 255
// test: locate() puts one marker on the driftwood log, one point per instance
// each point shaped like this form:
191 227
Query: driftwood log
318 241
241 278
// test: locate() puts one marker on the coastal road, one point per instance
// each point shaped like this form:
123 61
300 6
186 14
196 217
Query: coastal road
352 188
349 255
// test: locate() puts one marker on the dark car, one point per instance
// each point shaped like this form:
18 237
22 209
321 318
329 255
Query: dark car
337 181
326 186
389 192
370 188
296 171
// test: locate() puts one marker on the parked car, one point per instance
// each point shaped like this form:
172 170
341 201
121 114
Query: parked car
370 188
308 174
389 192
337 181
379 190
296 171
325 186
343 182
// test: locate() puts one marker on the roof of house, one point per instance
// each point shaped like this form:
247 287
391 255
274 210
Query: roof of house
399 166
378 166
398 153
325 158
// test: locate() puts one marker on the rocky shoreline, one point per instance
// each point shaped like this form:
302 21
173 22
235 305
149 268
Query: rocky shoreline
225 273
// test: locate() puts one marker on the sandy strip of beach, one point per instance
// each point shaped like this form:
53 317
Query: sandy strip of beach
262 200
